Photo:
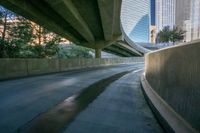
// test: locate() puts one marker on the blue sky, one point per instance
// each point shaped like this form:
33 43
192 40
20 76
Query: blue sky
152 12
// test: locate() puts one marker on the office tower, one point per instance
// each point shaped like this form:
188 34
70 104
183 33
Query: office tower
191 16
195 19
182 12
165 14
153 9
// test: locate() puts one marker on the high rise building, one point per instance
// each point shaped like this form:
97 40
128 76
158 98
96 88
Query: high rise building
182 12
187 27
182 17
189 17
153 9
153 27
195 19
135 19
165 14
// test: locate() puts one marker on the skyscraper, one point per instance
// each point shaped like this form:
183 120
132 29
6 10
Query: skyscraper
182 12
195 19
153 27
165 13
190 17
182 17
153 12
135 19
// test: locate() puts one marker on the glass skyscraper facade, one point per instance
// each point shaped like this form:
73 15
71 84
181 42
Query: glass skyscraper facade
153 12
135 19
165 14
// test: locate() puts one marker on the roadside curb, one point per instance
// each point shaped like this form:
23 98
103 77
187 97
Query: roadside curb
169 119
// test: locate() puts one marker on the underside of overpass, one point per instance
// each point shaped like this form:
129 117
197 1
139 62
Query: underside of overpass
90 23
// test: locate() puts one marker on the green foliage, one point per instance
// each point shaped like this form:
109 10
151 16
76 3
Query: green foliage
176 35
14 35
21 31
49 50
10 49
3 46
74 51
164 35
170 35
22 39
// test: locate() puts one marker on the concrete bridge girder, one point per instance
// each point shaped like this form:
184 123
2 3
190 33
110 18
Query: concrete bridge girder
109 12
29 11
67 10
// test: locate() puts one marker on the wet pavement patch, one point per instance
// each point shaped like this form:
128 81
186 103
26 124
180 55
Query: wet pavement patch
58 117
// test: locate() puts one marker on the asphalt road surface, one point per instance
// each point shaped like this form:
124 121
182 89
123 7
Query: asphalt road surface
120 108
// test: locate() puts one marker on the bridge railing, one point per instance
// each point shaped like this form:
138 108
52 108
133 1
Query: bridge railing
13 68
173 74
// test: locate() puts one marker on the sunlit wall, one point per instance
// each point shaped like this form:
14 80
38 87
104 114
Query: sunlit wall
135 19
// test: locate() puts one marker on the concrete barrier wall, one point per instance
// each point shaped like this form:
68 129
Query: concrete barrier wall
174 73
13 68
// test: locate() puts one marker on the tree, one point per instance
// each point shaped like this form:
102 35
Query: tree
164 35
21 30
74 51
170 35
21 33
21 38
16 33
177 34
52 47
3 21
3 45
40 34
5 17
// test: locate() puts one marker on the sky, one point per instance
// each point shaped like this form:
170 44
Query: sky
152 12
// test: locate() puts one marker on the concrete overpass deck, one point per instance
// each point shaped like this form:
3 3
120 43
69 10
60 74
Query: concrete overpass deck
23 100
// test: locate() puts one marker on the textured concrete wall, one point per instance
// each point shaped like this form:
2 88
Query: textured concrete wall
42 66
174 73
13 68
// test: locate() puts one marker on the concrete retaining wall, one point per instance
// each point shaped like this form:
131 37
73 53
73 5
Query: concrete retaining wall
13 68
174 74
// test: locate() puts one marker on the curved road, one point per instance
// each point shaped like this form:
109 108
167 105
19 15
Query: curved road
22 100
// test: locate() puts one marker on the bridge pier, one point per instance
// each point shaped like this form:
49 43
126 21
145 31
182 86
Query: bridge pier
97 53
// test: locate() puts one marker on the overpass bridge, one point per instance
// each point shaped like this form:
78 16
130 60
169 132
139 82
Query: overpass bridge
105 101
93 24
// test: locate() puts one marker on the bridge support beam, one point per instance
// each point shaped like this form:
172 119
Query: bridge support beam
97 53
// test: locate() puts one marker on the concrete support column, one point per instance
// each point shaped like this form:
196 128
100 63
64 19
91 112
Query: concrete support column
97 53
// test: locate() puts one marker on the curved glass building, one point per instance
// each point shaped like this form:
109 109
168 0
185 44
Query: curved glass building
135 19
